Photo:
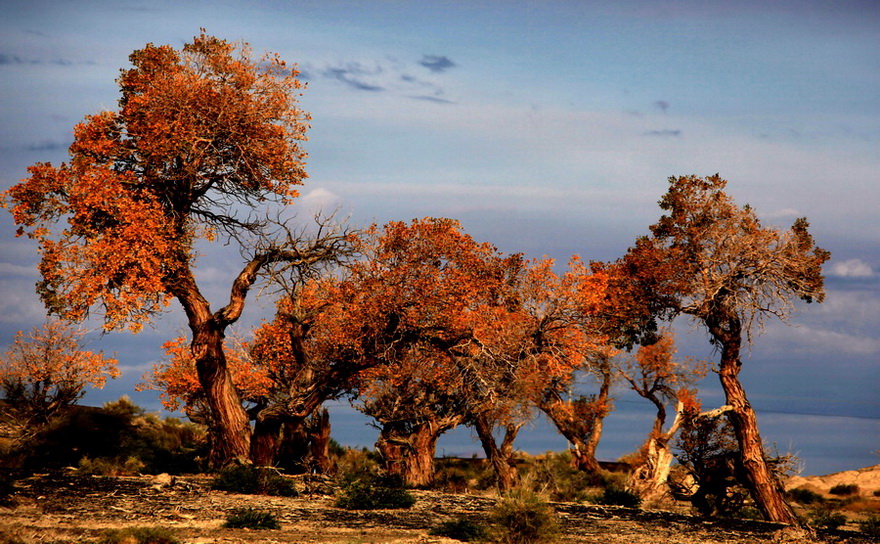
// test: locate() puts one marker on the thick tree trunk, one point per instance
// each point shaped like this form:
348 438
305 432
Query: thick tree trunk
500 457
319 442
410 457
233 432
266 441
765 488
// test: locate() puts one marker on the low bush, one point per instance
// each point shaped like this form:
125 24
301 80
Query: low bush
109 467
802 495
617 496
138 535
870 526
461 529
375 493
251 480
522 517
844 490
825 518
250 518
555 474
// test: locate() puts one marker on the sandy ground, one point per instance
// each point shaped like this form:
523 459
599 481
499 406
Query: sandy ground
69 508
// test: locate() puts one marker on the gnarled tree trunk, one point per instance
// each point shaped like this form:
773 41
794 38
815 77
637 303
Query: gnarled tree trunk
649 479
232 431
500 456
581 422
409 452
765 488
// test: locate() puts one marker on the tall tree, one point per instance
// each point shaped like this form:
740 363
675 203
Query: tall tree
48 369
201 137
713 260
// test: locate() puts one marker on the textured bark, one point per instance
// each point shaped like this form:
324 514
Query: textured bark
232 431
265 441
763 485
500 456
408 451
582 428
649 479
319 442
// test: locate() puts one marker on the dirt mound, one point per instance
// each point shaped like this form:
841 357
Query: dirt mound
868 480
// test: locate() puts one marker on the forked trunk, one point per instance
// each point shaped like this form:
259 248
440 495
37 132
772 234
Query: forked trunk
649 479
581 422
500 457
765 488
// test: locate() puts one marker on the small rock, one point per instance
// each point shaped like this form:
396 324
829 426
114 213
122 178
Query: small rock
163 480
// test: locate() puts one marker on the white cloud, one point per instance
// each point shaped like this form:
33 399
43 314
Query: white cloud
836 342
320 200
851 268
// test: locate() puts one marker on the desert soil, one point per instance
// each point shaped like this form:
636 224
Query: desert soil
70 508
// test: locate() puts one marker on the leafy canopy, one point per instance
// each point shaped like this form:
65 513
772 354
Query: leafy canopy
199 132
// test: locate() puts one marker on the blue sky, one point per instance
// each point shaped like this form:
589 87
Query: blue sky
545 127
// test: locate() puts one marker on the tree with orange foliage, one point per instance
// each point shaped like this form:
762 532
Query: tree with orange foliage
714 261
656 375
202 135
414 401
47 370
562 326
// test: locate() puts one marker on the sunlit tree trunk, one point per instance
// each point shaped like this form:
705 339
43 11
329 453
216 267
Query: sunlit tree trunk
649 479
232 431
581 422
266 441
765 488
500 456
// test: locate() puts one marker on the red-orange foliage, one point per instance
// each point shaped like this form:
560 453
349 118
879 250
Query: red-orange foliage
47 369
178 383
199 132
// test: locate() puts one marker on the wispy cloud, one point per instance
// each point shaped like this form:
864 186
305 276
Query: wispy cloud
665 133
15 60
851 268
388 75
356 75
436 63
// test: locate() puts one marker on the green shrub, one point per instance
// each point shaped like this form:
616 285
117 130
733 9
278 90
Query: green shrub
354 464
461 529
109 467
250 518
617 496
843 490
825 518
803 495
375 493
251 480
522 517
870 526
554 473
115 433
138 535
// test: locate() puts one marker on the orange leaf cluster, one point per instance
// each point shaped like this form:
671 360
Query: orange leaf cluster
198 131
